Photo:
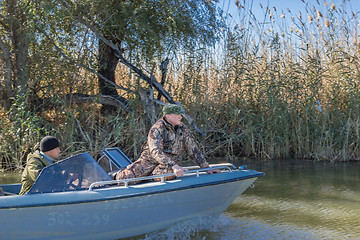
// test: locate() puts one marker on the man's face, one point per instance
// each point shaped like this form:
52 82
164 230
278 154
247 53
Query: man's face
54 154
174 119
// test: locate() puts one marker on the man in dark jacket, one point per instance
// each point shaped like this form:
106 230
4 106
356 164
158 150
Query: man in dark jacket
49 152
169 143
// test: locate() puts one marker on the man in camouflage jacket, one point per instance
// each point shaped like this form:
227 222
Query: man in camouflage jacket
169 143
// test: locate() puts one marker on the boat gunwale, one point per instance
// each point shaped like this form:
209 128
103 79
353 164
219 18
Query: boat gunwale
112 198
153 177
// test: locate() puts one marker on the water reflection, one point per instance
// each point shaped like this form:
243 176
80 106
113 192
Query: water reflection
323 198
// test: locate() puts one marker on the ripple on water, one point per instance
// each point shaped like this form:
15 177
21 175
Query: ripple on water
326 218
227 227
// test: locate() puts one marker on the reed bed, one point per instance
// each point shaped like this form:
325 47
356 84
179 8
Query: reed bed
287 88
283 87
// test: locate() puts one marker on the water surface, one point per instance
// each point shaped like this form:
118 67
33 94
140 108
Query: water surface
296 199
9 177
312 200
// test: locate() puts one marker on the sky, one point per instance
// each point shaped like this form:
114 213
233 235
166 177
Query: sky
282 6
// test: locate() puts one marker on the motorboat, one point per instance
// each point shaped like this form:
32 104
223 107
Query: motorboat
77 198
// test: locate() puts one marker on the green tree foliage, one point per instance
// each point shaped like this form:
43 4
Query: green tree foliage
145 29
155 26
48 56
31 61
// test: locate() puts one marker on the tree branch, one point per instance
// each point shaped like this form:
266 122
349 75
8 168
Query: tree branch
163 69
102 99
150 80
83 66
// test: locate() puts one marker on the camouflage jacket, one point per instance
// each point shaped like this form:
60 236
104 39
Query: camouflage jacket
34 164
170 145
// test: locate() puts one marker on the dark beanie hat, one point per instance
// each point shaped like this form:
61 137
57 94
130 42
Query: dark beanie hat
48 143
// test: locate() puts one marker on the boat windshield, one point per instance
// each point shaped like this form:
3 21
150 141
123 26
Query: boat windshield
73 173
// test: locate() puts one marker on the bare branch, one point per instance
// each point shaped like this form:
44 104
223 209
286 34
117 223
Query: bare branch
163 69
83 66
150 80
102 99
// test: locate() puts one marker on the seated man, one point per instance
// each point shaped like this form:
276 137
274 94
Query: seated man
169 143
35 162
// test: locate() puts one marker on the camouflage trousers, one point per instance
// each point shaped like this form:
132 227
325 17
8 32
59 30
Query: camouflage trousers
142 168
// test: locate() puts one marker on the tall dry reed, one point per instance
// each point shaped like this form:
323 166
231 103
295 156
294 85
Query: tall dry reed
285 86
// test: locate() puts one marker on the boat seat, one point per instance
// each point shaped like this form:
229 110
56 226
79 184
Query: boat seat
117 157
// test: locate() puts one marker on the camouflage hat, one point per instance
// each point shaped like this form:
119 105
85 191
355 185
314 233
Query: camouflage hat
172 109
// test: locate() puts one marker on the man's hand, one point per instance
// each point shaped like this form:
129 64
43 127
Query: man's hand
179 171
211 171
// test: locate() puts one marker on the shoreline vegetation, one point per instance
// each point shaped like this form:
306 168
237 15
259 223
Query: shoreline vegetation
285 87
